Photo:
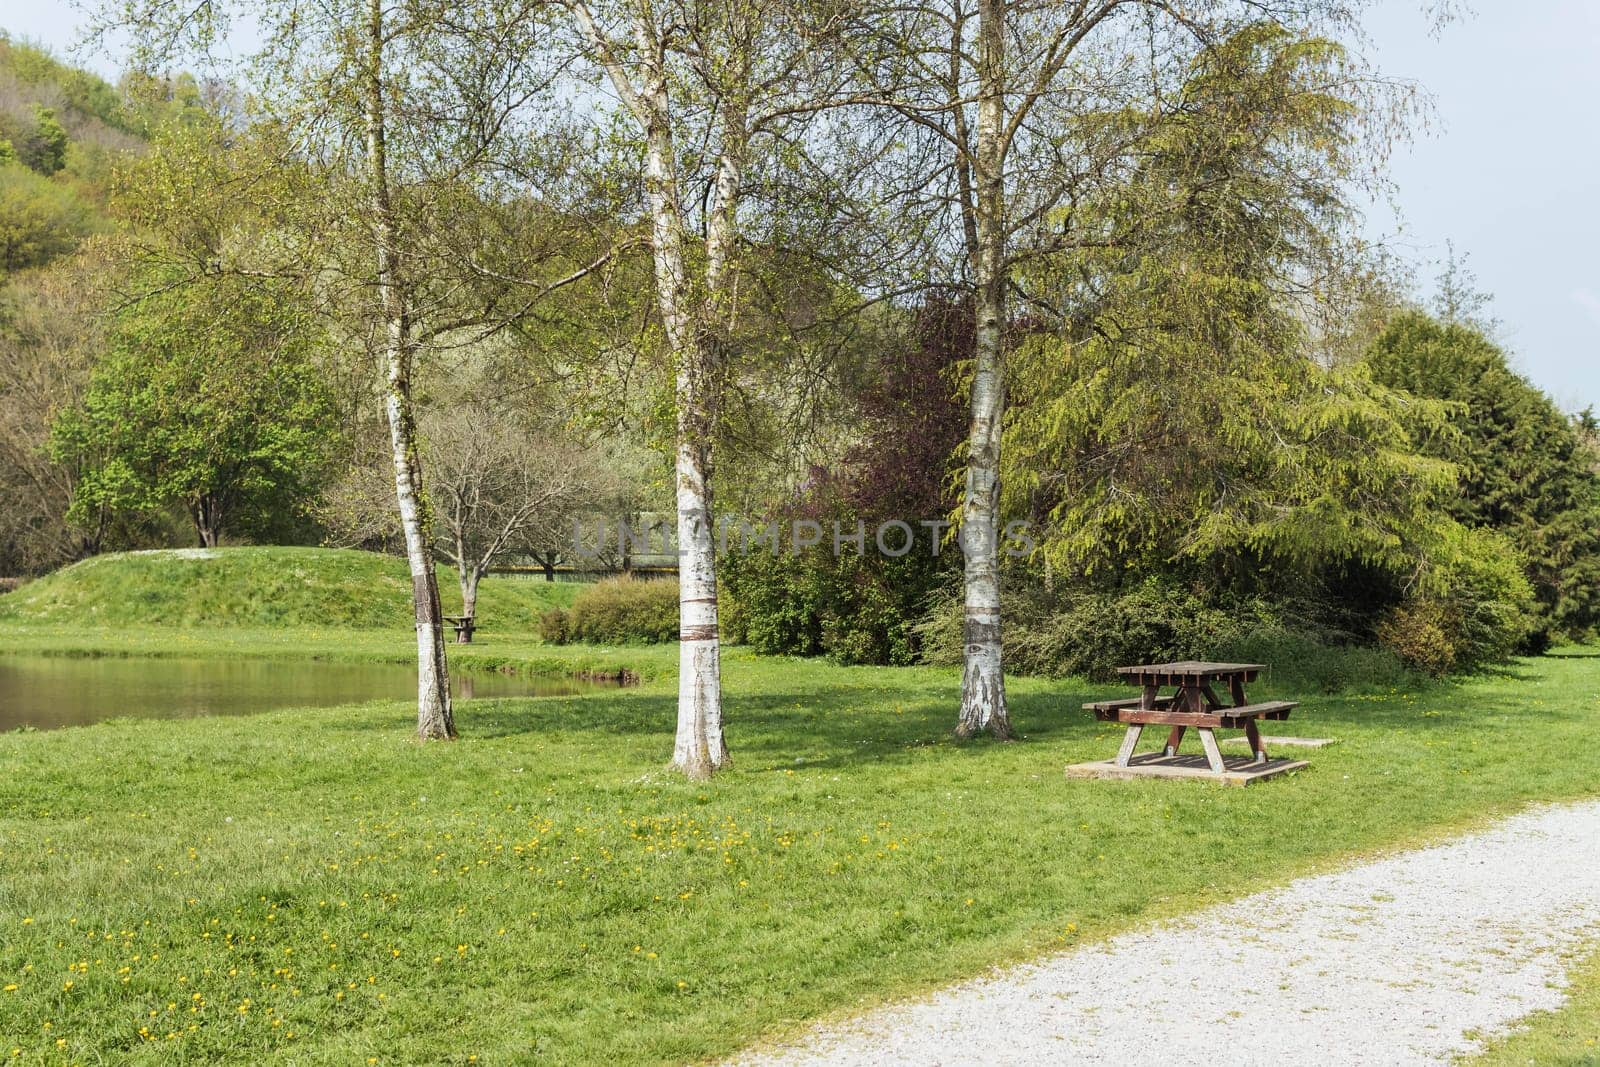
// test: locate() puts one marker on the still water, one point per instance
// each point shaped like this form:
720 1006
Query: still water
53 691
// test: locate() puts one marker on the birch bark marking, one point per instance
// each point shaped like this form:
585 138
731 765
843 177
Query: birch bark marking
983 684
435 718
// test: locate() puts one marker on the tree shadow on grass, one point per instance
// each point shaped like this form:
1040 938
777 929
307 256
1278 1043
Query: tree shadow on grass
897 719
831 724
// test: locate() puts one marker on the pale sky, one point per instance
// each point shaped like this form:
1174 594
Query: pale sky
1510 172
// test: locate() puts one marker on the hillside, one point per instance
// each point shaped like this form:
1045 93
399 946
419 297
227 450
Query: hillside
63 132
263 587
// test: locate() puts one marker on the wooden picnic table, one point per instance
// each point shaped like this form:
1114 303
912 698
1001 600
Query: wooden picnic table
464 625
1194 703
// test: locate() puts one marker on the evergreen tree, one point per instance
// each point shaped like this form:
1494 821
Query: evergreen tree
45 146
1523 466
1174 421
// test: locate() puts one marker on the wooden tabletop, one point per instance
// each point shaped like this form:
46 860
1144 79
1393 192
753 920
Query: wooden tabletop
1190 668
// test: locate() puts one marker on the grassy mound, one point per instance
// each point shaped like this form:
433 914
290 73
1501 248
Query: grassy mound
264 587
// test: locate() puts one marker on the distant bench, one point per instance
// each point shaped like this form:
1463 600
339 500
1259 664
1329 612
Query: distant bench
464 625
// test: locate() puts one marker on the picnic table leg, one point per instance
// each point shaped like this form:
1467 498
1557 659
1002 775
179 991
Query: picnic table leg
1212 701
1253 735
1236 687
1130 741
1208 741
1174 739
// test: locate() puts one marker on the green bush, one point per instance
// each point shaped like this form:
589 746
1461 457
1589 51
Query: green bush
1318 662
1472 606
553 627
39 220
1091 633
1417 632
771 603
851 608
617 611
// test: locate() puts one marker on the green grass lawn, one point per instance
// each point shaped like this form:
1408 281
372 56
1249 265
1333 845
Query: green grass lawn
316 887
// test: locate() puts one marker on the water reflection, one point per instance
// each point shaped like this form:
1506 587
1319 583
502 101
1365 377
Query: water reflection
53 691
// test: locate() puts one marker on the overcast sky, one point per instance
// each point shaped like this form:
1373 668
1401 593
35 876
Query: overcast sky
1508 173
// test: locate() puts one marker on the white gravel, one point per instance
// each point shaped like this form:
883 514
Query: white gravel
1391 962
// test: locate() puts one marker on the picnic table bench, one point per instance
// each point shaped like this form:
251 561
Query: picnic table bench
1194 704
464 626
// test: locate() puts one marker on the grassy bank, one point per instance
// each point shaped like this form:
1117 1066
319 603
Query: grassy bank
491 651
314 887
263 588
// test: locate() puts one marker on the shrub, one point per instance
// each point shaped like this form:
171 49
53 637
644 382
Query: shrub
553 627
1417 632
617 611
1091 633
1308 661
771 603
39 220
1472 606
851 608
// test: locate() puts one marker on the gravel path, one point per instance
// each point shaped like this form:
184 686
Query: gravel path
1390 962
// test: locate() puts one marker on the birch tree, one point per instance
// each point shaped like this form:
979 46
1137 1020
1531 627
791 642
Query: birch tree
710 86
396 109
435 717
1012 100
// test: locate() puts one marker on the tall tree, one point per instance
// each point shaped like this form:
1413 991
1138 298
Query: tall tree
1009 99
1524 469
207 397
398 115
434 716
52 330
1181 422
712 86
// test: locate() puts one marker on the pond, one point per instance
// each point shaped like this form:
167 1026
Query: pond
48 692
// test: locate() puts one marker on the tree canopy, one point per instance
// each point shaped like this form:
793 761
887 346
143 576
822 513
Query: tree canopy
1099 270
1522 466
207 397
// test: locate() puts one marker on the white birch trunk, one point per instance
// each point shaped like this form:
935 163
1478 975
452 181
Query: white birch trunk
699 748
983 684
435 718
